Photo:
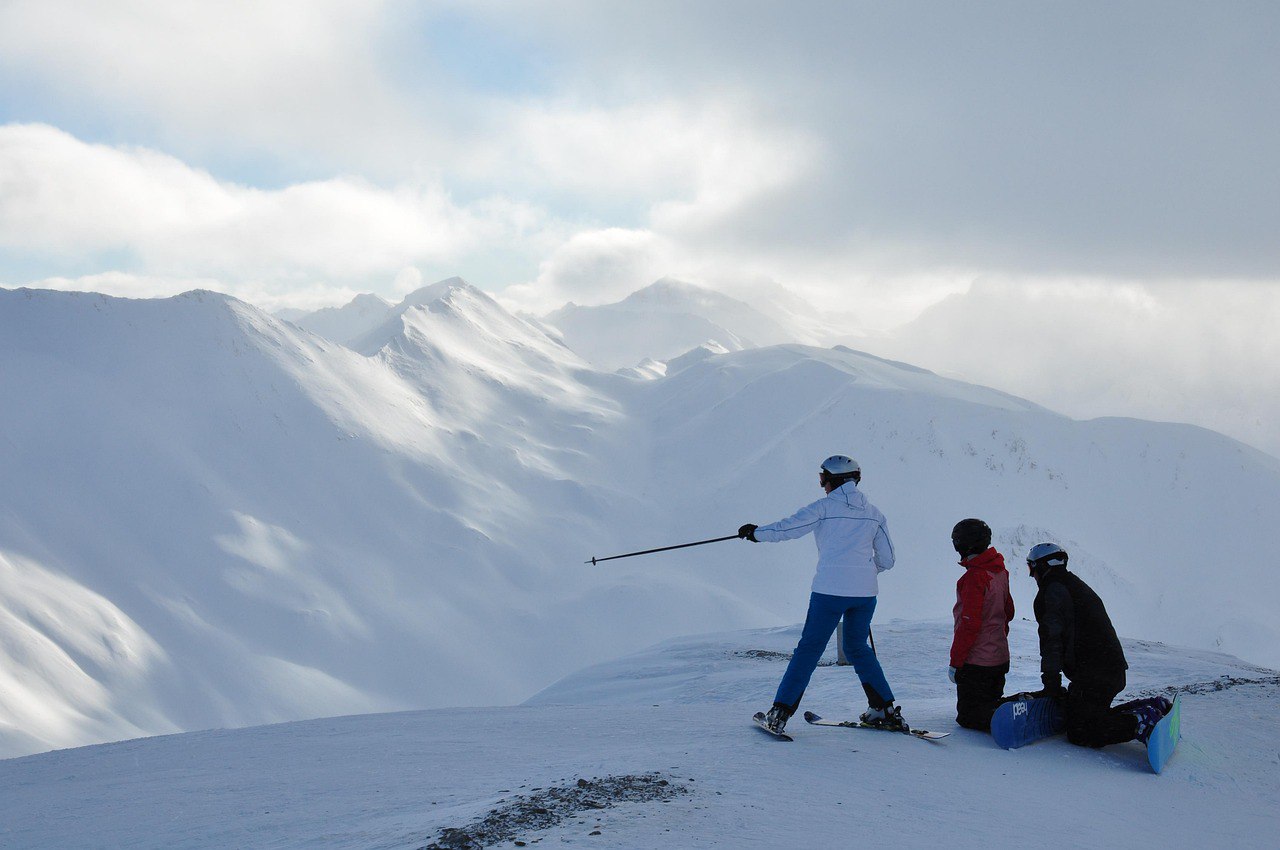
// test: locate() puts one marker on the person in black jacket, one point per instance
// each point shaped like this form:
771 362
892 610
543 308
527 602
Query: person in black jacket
1077 640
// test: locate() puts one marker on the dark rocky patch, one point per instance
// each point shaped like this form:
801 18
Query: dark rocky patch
770 655
550 806
1222 683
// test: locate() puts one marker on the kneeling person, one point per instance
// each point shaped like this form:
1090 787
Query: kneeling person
1078 640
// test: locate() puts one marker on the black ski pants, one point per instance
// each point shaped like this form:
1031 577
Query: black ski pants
978 693
1091 719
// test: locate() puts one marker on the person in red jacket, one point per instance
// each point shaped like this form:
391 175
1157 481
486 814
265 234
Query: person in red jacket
984 608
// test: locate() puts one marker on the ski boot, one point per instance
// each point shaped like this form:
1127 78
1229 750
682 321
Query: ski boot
1161 704
888 717
777 718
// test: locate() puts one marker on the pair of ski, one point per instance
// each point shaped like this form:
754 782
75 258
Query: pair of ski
1021 721
816 720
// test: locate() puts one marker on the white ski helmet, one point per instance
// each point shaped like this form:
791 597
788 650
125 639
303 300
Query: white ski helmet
839 469
1045 555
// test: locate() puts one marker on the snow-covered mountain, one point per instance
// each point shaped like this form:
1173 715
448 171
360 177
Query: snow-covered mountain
655 750
346 323
209 517
663 320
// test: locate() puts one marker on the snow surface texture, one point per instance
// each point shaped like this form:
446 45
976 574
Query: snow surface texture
591 773
212 518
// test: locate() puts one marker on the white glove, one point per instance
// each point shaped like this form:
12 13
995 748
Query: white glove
951 674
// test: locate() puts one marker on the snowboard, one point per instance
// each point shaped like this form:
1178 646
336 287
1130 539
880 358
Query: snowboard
759 719
1020 721
817 720
1165 737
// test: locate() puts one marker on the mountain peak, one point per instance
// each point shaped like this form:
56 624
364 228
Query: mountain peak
670 292
367 300
434 292
663 321
344 324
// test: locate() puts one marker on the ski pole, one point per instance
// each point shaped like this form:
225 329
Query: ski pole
595 561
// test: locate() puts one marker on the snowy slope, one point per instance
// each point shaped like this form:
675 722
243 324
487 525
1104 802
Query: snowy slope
664 756
663 320
212 518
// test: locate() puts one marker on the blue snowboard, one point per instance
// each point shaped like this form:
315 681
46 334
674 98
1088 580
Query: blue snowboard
1021 721
1165 737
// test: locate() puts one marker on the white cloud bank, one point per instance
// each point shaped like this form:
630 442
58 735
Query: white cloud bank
65 199
211 78
1204 353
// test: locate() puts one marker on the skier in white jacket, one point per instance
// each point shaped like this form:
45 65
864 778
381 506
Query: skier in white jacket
853 549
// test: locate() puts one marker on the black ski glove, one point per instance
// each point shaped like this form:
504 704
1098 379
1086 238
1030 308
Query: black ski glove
1052 685
748 532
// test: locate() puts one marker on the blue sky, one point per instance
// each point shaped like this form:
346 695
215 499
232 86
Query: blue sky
888 156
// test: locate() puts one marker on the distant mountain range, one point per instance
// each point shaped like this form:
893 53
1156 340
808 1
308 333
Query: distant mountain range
212 517
659 322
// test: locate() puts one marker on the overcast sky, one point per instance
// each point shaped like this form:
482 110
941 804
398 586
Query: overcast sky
989 162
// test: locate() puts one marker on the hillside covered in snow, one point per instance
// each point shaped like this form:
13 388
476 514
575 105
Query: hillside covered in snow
655 750
210 517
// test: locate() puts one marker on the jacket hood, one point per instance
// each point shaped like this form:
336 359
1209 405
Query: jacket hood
988 560
849 493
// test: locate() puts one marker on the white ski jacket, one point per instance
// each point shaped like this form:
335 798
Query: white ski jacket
852 537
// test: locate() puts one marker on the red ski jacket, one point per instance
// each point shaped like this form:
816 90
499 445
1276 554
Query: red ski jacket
983 611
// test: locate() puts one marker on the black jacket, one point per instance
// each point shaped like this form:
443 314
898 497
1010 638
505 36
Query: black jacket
1076 635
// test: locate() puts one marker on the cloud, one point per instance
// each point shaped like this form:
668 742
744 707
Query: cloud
897 139
376 88
593 267
63 198
1203 353
283 76
668 151
1131 141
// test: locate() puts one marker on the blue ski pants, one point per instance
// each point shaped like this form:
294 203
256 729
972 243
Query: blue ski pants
824 613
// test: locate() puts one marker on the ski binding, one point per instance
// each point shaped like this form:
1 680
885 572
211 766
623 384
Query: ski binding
817 720
759 719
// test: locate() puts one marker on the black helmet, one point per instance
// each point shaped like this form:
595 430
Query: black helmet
971 537
1045 555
